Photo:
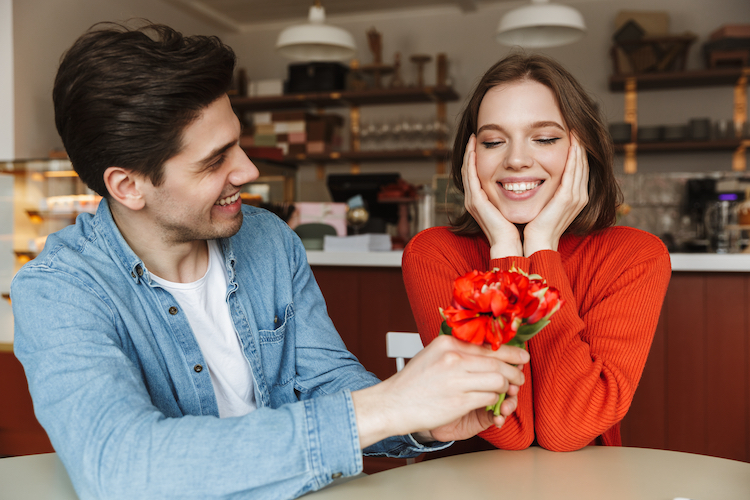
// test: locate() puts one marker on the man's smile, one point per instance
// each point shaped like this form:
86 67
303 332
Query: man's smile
228 200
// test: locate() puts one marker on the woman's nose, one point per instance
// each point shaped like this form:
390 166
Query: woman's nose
518 156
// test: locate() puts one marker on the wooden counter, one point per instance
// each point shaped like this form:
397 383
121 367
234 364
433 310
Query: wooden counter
694 395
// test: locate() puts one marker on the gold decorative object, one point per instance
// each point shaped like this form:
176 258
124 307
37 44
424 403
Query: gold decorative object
357 217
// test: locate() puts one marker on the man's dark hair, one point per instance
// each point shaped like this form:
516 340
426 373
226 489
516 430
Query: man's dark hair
123 96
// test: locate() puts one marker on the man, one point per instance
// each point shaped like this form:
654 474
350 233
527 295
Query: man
176 343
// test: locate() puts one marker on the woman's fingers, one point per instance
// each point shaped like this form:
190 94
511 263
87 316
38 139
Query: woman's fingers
545 231
502 235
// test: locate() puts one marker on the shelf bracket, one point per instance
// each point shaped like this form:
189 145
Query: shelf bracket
355 126
631 163
739 158
631 117
442 118
740 102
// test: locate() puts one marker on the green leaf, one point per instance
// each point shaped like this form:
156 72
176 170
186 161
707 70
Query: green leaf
525 332
445 329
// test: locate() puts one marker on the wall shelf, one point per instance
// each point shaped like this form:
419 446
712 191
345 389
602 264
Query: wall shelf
345 98
683 146
679 79
634 83
438 95
371 156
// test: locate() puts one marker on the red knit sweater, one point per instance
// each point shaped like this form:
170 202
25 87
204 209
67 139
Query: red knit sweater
586 364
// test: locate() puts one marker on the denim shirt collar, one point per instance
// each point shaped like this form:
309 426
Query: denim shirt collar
104 225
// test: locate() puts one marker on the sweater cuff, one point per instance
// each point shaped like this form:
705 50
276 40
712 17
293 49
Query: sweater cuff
548 264
506 263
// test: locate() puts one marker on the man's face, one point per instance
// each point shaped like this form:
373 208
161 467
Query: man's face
199 198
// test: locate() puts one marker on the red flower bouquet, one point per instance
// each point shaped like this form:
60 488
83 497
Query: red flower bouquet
499 307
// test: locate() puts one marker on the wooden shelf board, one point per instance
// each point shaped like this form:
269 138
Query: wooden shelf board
679 79
371 156
345 98
677 146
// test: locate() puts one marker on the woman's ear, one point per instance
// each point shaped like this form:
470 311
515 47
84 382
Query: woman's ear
125 186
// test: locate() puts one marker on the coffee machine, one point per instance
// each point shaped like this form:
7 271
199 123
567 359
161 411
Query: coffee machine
700 194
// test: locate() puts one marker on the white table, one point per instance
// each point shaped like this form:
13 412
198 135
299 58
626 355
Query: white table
594 473
35 477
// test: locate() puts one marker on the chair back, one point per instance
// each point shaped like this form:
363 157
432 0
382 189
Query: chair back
402 346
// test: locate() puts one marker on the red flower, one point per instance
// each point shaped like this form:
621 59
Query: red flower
490 307
499 307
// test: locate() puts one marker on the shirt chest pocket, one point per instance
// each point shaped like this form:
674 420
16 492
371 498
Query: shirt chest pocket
278 349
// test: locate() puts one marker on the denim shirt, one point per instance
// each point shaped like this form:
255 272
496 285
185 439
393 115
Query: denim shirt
121 387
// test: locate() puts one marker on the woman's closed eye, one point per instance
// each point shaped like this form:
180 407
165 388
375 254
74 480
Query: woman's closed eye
548 140
491 144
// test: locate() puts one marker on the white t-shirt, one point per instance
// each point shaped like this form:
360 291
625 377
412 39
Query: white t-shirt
204 304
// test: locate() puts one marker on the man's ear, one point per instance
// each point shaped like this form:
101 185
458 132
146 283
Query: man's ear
125 186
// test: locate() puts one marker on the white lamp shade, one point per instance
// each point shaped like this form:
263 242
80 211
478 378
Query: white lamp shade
316 41
541 25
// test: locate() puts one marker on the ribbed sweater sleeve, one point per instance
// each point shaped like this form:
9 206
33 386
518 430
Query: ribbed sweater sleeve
585 366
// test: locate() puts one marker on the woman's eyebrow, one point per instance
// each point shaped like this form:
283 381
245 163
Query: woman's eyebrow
532 126
490 126
542 124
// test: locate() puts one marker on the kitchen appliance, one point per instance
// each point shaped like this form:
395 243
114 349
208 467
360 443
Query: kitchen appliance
721 223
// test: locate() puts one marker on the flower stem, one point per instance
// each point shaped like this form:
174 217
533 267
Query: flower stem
495 409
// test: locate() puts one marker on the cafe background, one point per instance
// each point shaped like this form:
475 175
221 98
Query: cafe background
695 393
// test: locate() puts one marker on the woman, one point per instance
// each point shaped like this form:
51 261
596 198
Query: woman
535 163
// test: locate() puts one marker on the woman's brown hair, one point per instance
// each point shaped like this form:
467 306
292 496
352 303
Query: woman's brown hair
581 116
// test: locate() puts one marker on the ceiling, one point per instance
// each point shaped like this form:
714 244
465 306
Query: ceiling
242 15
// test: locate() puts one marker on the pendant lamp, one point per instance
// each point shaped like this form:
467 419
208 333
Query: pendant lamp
541 24
316 40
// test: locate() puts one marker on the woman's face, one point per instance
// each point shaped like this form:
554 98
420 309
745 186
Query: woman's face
522 146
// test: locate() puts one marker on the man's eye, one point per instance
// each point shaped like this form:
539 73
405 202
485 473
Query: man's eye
219 162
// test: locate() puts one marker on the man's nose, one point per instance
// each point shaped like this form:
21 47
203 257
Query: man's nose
244 171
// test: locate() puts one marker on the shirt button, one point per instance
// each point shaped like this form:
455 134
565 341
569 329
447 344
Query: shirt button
336 475
139 270
198 368
132 274
173 310
275 319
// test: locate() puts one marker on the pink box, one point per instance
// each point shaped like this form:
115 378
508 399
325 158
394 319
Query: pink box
325 213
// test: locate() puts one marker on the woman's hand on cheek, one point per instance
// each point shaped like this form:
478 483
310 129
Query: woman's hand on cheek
545 231
503 236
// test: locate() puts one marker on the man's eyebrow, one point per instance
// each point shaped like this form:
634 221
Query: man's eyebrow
215 153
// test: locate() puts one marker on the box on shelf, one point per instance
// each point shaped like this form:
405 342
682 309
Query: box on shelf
316 77
266 87
728 46
333 214
296 132
731 31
